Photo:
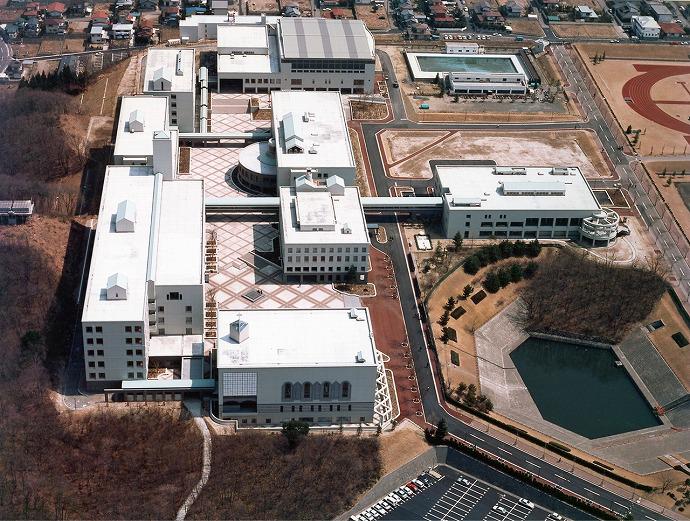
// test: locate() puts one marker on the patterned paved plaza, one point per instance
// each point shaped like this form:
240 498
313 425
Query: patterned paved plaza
214 166
238 235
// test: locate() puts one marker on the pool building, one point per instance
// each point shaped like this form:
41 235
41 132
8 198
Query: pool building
471 74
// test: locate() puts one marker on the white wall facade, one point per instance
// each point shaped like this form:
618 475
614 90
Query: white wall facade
272 407
178 310
323 263
480 223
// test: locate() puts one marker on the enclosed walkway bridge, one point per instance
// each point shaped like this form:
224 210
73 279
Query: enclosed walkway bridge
371 205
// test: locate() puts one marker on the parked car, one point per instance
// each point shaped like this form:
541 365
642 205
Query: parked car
526 502
499 509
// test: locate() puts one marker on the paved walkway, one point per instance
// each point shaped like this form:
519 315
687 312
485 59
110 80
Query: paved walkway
194 407
391 338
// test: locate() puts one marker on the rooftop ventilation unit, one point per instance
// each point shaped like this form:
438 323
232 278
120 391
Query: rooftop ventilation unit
559 171
125 217
136 121
347 229
178 64
312 150
508 170
305 117
116 287
359 358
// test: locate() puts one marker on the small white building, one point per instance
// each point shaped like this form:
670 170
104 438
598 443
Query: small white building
646 27
145 278
586 13
485 83
140 118
463 48
323 232
171 73
482 202
98 34
274 366
310 131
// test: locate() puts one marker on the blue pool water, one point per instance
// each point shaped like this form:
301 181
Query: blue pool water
581 388
465 63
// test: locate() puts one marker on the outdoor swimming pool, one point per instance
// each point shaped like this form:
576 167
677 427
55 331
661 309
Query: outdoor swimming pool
581 388
465 63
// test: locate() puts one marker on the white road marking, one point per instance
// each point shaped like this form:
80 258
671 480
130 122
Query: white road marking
506 451
591 491
530 463
561 477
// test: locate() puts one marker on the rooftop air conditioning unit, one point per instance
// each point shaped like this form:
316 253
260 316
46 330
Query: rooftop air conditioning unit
305 117
312 150
359 358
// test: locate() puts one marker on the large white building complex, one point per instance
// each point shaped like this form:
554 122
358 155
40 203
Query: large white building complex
171 73
146 276
261 54
310 134
323 232
482 202
319 366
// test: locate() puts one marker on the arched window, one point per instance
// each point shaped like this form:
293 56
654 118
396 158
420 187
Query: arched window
335 390
306 391
296 391
316 391
326 390
287 391
345 390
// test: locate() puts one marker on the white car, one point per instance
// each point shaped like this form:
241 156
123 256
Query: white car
526 502
557 516
500 509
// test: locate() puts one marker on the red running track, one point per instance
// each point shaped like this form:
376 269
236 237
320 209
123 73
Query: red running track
638 91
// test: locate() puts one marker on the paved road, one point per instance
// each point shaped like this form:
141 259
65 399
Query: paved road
546 466
5 55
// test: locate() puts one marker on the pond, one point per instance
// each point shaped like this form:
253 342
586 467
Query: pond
581 388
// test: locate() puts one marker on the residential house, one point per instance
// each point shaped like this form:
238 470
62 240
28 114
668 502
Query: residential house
100 18
144 32
33 28
98 35
417 31
124 4
56 26
342 13
513 9
291 10
148 5
12 31
646 27
170 3
55 10
672 31
624 11
586 13
220 6
31 10
170 15
80 9
658 11
122 31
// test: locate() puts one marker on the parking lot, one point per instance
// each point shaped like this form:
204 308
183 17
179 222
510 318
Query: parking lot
451 495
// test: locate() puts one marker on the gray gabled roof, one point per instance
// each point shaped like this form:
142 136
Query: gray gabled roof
319 38
292 131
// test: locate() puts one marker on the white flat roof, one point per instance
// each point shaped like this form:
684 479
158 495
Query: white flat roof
480 184
646 22
326 132
176 345
240 35
181 233
155 113
219 19
418 73
180 236
338 210
251 63
295 338
123 252
166 59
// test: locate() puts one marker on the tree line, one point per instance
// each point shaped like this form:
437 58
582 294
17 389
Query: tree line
600 300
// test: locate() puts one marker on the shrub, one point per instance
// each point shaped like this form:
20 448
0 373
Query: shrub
515 273
533 248
491 282
519 248
504 276
530 270
506 249
471 265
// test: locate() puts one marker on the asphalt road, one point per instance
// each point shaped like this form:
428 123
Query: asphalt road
5 55
543 465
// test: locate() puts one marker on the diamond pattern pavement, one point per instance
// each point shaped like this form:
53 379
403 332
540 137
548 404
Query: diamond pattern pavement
238 235
214 166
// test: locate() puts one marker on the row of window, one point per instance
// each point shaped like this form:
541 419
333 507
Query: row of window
532 221
322 268
340 419
543 234
315 408
100 352
355 249
338 258
316 65
187 320
128 340
187 309
128 329
316 391
101 376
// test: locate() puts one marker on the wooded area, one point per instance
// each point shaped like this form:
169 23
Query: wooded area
256 476
570 293
32 142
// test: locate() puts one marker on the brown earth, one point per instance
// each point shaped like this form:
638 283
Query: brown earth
584 30
372 19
